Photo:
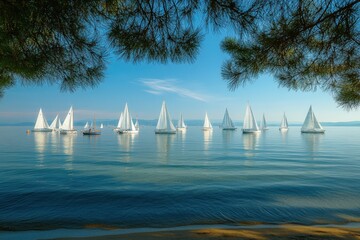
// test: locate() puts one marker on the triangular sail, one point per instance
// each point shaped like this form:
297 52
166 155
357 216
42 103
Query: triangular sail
127 123
137 124
284 122
311 123
86 125
227 122
41 122
56 123
207 123
181 123
68 123
164 122
101 125
249 120
120 120
263 123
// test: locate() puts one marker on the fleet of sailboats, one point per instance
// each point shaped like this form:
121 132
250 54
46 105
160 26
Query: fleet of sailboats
250 125
68 124
181 126
164 124
227 123
207 124
311 124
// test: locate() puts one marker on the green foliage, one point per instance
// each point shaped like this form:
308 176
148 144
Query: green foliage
305 44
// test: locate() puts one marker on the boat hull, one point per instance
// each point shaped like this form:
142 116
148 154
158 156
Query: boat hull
42 130
313 131
91 132
181 129
283 129
160 131
207 129
127 131
68 131
250 131
230 128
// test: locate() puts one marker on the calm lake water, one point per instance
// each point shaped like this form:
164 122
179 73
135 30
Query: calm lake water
51 181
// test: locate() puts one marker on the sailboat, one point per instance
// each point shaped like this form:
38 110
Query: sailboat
227 123
250 125
41 124
119 122
263 126
181 124
68 124
127 125
311 124
284 124
101 126
92 129
56 124
164 124
86 125
207 124
137 124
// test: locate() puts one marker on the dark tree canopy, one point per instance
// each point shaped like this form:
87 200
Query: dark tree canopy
305 44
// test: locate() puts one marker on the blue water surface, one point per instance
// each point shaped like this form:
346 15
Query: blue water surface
52 181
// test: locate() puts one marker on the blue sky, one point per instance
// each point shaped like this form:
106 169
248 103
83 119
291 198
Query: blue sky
190 89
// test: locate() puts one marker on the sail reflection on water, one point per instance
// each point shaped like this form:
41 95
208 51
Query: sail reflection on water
164 143
207 140
40 142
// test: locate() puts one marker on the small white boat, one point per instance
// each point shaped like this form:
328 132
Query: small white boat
207 124
41 124
68 124
164 124
263 126
181 124
56 124
92 129
101 126
250 125
127 125
227 123
311 124
284 126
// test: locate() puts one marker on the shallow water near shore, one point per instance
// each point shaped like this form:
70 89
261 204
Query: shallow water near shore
49 181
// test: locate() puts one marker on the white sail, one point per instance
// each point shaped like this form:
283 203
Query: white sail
56 123
311 124
137 124
41 124
207 124
249 125
227 123
164 124
263 125
101 125
284 123
181 123
127 124
68 124
120 121
86 125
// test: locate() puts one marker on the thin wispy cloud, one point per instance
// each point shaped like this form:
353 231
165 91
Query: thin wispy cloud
160 86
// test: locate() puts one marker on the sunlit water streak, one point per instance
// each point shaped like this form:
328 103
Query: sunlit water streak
50 181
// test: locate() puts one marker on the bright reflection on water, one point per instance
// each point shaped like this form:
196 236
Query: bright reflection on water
49 180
